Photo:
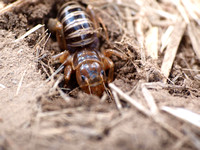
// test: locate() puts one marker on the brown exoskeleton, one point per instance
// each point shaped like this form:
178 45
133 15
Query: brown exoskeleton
75 29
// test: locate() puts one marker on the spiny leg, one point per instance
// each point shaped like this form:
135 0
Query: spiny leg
97 20
62 57
56 26
67 73
109 65
110 52
104 27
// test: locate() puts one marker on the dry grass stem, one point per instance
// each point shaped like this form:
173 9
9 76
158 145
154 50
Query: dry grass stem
29 32
151 43
193 138
64 95
20 83
2 86
129 99
194 37
172 48
56 72
184 114
189 6
52 131
150 100
156 118
181 10
2 5
12 6
117 101
165 38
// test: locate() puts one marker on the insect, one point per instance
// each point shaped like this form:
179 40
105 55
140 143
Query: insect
76 32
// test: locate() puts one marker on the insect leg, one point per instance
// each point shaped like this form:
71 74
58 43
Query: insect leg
56 26
67 73
109 65
104 27
91 12
110 52
96 20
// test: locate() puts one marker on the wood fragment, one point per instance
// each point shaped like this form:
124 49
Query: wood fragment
151 43
194 37
172 48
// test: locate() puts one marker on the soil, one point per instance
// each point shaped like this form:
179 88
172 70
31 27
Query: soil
34 115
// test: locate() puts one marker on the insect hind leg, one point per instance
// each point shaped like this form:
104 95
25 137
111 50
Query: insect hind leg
56 26
96 19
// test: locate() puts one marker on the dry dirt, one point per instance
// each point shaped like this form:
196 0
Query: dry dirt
33 115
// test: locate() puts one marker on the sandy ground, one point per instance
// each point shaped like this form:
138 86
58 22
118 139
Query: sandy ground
33 115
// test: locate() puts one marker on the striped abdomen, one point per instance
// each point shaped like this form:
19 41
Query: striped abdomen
77 26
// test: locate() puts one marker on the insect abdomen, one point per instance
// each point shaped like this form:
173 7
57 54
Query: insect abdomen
77 26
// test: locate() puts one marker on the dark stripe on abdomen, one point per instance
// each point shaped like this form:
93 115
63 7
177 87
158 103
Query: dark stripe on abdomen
77 26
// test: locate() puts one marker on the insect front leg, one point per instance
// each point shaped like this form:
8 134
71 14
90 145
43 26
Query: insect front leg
56 26
109 65
66 59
